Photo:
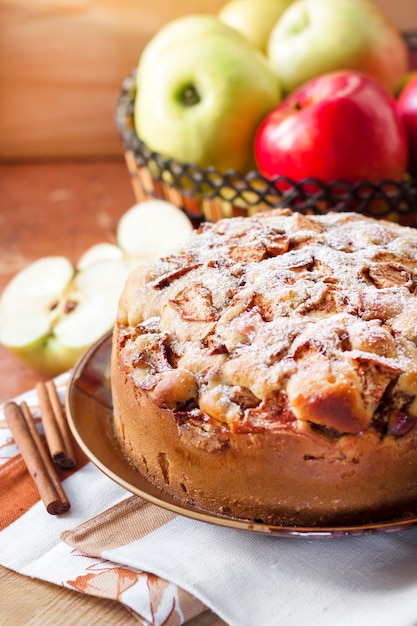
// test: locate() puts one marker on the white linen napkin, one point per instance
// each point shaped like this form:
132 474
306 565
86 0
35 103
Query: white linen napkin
250 579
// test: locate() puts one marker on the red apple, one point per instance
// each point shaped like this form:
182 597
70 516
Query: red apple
339 126
407 109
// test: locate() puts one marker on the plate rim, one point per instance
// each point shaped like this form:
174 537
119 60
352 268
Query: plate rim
174 505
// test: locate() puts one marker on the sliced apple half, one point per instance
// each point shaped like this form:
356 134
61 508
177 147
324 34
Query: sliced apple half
99 252
150 229
50 313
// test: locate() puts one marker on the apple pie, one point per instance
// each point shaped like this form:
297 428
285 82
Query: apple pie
267 369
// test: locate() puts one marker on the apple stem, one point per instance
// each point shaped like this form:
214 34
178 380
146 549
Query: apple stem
190 96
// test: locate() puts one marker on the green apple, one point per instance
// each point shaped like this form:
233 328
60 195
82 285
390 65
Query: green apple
315 37
50 313
174 33
254 19
202 98
99 252
150 229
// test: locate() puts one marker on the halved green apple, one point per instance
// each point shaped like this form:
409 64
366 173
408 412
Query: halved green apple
148 230
99 252
50 312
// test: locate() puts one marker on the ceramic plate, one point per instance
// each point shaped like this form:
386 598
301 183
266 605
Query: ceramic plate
89 411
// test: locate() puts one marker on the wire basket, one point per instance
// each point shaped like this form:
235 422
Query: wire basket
207 194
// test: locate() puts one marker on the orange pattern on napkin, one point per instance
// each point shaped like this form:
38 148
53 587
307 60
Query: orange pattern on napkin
20 488
122 523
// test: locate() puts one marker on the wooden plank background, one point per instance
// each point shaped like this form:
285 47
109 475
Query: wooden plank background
62 63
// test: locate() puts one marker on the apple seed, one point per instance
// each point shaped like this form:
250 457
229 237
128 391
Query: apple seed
70 305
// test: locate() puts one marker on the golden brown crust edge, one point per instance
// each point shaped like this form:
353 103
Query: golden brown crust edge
283 478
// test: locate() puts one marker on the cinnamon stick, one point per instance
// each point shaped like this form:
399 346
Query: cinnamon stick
62 424
55 425
49 466
30 446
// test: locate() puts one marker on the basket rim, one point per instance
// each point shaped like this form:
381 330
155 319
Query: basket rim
278 191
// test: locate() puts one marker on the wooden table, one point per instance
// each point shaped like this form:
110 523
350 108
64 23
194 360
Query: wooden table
56 208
